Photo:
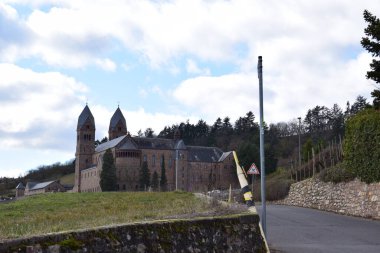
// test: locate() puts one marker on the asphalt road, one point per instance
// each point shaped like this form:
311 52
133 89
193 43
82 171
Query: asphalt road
295 229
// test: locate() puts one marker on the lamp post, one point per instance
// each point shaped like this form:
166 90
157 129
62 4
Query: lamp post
299 140
176 169
262 161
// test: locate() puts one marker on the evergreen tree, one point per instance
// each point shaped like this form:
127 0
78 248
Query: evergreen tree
108 180
97 142
149 133
163 181
372 44
227 127
202 129
155 181
217 126
336 121
359 104
144 177
249 121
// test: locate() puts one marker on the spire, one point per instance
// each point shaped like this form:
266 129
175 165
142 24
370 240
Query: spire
118 125
86 114
116 118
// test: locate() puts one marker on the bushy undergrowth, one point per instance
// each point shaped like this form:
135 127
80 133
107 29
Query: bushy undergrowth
277 186
336 174
362 145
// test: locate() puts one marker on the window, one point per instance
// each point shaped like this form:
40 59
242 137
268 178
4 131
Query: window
154 160
144 159
170 161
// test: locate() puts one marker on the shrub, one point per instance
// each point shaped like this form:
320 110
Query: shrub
336 174
277 186
362 145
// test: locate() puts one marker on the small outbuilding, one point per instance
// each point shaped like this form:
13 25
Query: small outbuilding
33 188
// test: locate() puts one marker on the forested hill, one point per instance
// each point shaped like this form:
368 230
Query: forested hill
319 125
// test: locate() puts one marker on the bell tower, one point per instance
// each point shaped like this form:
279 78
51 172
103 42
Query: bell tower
118 126
85 144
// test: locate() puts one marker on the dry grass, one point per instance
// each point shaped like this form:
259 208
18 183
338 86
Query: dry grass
68 179
56 212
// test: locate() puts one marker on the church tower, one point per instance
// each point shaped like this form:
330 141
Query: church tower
118 126
85 144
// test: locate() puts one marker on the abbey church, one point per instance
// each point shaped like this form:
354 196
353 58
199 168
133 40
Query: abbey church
188 168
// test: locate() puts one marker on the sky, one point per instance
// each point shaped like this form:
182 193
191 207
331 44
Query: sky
165 62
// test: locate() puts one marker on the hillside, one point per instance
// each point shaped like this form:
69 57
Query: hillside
57 212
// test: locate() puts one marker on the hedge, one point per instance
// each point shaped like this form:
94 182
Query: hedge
362 145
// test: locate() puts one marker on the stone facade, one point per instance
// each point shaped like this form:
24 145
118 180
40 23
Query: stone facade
352 198
188 168
232 233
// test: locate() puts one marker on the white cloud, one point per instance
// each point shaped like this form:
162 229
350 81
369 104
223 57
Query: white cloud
75 33
141 119
286 95
229 95
106 64
135 119
192 68
37 108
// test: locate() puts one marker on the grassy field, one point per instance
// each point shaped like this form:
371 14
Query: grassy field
56 212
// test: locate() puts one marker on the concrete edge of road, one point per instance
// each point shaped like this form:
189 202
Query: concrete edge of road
324 210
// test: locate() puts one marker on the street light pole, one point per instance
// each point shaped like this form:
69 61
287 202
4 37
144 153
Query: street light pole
262 161
176 170
299 140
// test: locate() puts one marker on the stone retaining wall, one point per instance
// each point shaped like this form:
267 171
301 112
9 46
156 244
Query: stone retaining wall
352 198
232 233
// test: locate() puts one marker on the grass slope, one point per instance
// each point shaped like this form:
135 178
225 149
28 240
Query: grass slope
68 179
47 213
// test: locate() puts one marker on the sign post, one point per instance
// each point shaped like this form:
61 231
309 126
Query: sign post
253 170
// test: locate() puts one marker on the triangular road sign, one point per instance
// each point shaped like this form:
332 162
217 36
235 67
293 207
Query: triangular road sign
253 170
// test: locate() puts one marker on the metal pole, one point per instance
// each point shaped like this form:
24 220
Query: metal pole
176 170
252 178
262 162
299 140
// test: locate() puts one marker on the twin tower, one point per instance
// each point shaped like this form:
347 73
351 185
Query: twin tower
85 148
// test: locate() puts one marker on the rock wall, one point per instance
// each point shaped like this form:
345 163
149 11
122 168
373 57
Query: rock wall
232 233
352 198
